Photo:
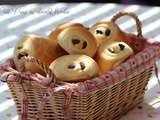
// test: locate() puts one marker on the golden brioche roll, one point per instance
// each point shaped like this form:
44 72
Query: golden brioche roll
112 54
55 32
108 31
74 68
77 40
38 47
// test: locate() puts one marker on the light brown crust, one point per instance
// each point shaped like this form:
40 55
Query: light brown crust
115 33
81 33
55 32
38 47
75 74
120 35
107 60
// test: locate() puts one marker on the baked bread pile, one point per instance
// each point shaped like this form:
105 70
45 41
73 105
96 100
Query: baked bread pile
75 52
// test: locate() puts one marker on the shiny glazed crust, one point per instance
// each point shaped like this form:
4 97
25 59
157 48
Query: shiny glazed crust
74 68
55 32
86 45
107 59
35 46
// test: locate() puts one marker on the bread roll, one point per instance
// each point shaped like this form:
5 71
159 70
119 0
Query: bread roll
112 54
74 68
108 31
55 32
37 47
77 40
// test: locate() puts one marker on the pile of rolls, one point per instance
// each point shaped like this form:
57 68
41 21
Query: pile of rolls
75 52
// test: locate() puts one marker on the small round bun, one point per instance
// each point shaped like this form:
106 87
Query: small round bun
37 47
74 68
106 31
55 32
111 55
77 40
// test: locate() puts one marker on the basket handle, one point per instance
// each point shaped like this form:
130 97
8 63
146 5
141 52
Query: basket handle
132 15
44 67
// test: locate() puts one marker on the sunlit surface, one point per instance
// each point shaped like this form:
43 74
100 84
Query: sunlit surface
142 17
29 18
73 10
94 13
15 12
131 8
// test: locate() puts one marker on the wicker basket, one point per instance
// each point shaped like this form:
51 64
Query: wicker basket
106 97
